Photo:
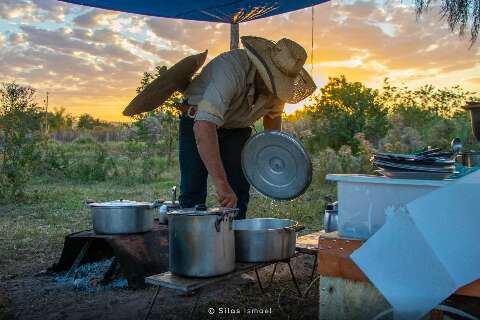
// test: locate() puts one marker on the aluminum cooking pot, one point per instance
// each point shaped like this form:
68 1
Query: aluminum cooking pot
168 206
469 159
265 239
330 218
201 241
122 216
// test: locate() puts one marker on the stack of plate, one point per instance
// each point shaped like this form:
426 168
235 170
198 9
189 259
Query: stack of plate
433 164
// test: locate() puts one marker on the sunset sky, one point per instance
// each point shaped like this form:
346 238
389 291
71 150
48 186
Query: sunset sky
92 60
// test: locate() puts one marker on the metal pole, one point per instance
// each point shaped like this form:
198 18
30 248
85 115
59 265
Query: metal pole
46 113
234 36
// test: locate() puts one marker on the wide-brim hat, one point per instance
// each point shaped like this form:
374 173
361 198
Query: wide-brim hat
280 65
177 78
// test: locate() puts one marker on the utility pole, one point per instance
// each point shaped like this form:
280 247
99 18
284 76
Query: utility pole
46 113
234 35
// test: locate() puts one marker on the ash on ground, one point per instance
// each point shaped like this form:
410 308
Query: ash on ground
89 276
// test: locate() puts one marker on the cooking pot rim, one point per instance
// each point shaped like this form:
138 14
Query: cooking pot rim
292 223
121 204
213 211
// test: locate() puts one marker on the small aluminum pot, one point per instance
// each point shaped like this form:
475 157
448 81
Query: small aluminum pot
330 218
122 216
201 241
469 159
265 239
168 206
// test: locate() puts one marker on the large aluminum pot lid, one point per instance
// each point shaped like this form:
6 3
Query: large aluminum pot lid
120 204
202 211
277 165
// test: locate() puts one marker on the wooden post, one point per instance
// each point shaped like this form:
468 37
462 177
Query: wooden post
234 36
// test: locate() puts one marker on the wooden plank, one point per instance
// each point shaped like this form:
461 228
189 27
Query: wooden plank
308 243
334 258
470 290
334 261
169 280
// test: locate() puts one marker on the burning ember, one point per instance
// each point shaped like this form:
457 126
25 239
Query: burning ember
91 277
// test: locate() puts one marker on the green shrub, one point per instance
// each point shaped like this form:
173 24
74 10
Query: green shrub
425 116
344 109
20 133
84 139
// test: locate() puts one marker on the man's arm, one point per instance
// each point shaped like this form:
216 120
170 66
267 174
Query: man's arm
272 123
209 150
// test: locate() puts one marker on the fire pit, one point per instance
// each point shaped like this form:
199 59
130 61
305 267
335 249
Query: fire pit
136 256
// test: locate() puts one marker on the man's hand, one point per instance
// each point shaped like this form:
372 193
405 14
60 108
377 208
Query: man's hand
226 197
272 124
207 144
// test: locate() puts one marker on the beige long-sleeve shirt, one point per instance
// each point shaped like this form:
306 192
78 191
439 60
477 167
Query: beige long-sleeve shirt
224 93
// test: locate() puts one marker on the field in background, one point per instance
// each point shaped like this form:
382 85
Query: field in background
51 162
32 234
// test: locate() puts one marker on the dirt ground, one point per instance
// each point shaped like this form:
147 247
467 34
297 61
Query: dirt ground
27 293
32 236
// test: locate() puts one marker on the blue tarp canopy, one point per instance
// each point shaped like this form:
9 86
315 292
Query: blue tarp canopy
228 11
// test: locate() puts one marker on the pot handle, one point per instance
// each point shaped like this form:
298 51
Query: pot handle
295 228
157 203
87 202
220 218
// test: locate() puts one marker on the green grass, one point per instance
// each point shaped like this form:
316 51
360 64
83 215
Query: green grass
35 231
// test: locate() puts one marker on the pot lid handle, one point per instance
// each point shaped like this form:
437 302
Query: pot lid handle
296 227
200 207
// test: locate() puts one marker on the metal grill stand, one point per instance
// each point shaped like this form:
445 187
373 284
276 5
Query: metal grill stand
306 245
195 285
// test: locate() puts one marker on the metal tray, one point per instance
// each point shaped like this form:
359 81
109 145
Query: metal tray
404 167
415 175
436 162
277 165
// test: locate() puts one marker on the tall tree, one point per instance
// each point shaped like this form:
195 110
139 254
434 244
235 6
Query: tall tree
86 121
458 13
344 109
160 124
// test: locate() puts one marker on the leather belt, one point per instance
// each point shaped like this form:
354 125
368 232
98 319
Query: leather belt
187 109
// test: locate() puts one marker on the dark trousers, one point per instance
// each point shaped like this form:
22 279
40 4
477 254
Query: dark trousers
193 184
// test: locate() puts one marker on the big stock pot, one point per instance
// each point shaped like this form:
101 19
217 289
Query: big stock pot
201 241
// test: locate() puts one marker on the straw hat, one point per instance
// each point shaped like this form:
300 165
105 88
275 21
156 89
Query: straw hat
281 67
170 80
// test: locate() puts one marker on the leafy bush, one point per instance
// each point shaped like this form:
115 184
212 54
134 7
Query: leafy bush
86 160
329 161
425 116
86 121
392 119
21 135
83 161
344 109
